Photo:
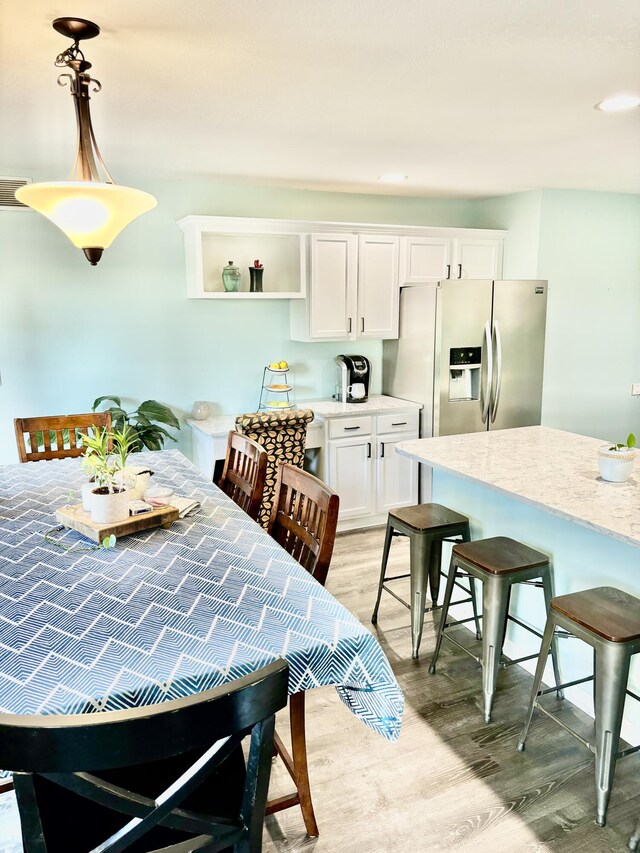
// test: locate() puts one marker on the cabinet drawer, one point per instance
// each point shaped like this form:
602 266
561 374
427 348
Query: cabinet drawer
407 422
345 427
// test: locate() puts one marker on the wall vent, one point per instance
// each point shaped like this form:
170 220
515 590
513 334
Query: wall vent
8 186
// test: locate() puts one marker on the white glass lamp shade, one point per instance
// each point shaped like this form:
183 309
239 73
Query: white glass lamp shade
90 213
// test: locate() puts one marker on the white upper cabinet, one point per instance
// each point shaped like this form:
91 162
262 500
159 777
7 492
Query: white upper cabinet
478 259
424 259
378 291
332 302
353 289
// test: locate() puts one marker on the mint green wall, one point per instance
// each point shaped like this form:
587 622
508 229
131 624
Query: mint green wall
590 253
70 332
521 212
587 245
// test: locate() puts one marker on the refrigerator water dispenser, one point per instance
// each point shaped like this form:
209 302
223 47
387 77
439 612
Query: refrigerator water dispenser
464 373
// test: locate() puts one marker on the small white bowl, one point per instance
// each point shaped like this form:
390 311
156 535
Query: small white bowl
159 495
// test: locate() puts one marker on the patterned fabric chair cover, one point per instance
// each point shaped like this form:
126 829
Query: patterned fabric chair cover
283 435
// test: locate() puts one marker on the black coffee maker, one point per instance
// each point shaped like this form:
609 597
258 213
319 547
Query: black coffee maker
354 373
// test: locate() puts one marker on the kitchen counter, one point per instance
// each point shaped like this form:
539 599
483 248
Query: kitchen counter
377 404
541 486
541 466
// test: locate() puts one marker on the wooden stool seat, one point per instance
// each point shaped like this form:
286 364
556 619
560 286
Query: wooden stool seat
428 516
610 613
500 555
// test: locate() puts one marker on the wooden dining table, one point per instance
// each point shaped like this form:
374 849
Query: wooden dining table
166 612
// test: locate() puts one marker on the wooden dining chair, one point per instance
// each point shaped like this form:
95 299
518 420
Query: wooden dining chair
303 521
59 436
80 753
244 473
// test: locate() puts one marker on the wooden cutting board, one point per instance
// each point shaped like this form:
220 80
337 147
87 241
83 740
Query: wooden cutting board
77 519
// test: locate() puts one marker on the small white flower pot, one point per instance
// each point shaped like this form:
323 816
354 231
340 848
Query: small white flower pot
615 465
134 481
87 490
110 507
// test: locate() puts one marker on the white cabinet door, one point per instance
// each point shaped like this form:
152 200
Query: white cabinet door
424 259
378 290
397 476
477 259
334 259
350 467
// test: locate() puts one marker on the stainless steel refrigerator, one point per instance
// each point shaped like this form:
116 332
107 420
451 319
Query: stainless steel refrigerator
472 352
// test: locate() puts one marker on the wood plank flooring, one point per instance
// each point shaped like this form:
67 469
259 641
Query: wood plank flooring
450 782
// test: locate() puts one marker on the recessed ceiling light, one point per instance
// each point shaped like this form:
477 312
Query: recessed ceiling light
618 103
393 178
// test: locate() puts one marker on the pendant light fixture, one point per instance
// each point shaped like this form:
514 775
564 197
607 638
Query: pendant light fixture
91 209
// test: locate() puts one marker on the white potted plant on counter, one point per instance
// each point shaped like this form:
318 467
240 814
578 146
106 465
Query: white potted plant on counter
615 461
108 501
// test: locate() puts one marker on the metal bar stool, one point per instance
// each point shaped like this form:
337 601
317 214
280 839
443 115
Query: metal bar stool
608 619
499 563
427 526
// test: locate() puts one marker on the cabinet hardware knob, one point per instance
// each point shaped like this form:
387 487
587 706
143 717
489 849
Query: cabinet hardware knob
368 450
400 423
349 326
362 324
382 450
350 428
459 270
448 270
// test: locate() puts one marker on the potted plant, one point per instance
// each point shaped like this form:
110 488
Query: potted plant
616 461
144 421
108 502
134 478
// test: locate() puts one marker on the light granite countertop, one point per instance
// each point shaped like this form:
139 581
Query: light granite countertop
549 468
377 404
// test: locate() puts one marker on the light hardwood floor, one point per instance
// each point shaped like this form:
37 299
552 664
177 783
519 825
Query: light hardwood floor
450 782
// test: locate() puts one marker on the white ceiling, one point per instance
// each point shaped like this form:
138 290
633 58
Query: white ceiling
466 97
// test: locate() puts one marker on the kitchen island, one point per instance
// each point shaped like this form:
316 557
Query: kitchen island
541 486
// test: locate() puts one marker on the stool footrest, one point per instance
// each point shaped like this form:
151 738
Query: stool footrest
562 686
524 625
462 648
459 621
633 695
396 596
563 725
622 753
506 663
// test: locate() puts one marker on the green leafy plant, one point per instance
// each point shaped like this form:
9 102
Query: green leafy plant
631 443
98 460
144 422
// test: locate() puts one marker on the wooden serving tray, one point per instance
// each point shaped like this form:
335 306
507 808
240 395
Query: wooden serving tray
77 519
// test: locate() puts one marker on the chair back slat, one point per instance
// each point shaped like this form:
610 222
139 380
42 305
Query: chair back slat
68 750
44 438
244 473
304 519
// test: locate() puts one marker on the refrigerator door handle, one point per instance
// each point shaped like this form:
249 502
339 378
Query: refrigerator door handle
496 394
485 388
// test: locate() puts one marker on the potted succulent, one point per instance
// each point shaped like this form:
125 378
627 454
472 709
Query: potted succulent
615 461
108 502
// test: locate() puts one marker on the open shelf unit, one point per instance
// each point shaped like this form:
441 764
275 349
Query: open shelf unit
211 242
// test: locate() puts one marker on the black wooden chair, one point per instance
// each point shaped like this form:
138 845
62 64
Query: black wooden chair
78 752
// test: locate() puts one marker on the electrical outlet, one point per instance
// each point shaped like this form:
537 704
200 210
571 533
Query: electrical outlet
635 389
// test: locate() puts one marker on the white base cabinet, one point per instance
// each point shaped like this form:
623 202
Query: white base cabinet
365 470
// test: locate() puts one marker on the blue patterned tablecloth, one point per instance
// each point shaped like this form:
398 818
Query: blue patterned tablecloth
166 613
